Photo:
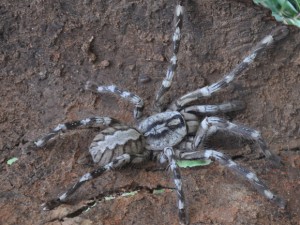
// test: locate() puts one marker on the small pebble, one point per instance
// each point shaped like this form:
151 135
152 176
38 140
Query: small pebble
104 64
143 79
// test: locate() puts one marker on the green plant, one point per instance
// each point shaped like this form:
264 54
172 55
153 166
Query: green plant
286 11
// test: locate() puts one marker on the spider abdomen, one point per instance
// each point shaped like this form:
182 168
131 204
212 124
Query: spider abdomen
115 141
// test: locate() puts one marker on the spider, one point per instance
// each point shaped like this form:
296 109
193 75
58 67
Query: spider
178 132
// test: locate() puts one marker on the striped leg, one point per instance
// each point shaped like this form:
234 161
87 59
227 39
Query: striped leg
134 99
87 122
211 125
214 109
169 155
117 163
243 172
166 84
207 91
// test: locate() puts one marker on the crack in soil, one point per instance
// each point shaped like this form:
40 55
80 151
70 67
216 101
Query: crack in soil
295 149
125 191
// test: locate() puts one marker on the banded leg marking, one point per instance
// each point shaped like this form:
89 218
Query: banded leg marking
214 109
169 154
117 163
166 83
212 124
207 91
134 99
87 122
225 160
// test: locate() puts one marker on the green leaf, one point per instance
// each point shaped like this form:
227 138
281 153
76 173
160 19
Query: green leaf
129 193
88 208
286 11
12 160
158 191
126 194
193 163
108 198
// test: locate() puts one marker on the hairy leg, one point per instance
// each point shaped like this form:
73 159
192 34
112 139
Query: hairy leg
168 154
116 163
133 98
214 109
225 160
84 123
276 35
210 125
166 83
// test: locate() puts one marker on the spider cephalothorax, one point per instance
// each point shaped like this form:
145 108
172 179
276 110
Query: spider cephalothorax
176 133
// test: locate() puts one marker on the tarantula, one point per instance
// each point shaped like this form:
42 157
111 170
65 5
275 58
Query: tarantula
175 133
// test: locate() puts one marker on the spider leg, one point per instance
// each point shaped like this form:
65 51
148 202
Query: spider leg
116 163
134 99
190 113
168 154
207 91
214 109
210 125
243 172
87 122
166 83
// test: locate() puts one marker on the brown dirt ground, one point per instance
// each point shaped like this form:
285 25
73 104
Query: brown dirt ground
49 49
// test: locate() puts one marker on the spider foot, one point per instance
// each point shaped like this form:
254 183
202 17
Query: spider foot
28 148
51 204
91 86
275 160
280 33
279 201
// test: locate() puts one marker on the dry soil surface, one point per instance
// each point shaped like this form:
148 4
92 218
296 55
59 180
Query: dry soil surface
49 49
